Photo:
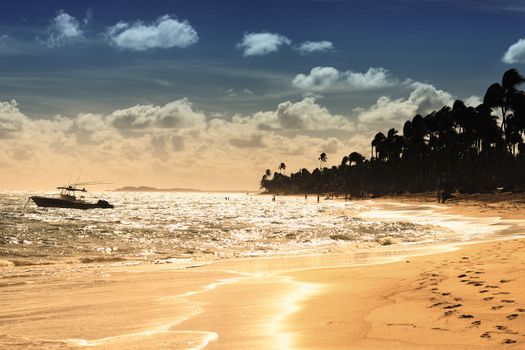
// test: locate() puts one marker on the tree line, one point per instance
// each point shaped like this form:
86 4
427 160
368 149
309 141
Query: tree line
458 148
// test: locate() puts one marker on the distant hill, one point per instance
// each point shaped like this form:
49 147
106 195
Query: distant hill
154 189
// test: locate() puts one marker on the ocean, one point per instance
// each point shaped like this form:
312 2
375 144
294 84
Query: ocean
164 227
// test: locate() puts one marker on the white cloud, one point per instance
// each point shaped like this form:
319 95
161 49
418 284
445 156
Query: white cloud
308 115
473 101
176 145
11 119
515 53
424 99
374 78
304 115
165 32
63 30
315 46
176 114
325 78
255 44
319 79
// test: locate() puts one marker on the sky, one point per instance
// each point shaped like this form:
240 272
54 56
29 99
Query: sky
209 93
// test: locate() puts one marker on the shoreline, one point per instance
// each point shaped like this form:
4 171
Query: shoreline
326 301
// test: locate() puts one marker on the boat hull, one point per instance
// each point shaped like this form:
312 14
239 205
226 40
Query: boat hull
67 203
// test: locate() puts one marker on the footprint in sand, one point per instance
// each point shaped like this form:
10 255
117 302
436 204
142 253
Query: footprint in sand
465 316
512 316
520 310
501 293
508 301
476 323
486 335
488 298
497 307
475 282
508 341
452 306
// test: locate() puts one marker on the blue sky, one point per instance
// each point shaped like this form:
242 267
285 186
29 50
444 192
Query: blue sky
364 64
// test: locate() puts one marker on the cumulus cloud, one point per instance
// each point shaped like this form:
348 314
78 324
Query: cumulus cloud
63 30
177 145
423 99
473 101
255 44
254 141
304 115
515 53
166 32
319 79
315 46
176 114
11 119
308 115
173 144
325 78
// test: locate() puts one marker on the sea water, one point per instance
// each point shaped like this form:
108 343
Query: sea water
156 227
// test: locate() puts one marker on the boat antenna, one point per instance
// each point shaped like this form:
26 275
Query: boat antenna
78 177
70 176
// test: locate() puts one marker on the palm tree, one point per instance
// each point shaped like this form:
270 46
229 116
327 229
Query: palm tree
282 167
393 144
378 143
356 158
501 95
322 159
461 148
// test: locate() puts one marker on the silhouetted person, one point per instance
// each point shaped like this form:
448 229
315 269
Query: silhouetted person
305 196
317 198
273 198
445 194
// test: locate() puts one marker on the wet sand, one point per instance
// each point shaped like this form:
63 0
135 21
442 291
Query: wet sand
471 296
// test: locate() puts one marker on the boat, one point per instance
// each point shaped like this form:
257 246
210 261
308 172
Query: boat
68 198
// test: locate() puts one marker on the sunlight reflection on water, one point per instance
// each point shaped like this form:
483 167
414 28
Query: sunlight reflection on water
153 226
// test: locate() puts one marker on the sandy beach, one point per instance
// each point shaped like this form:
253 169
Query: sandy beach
462 296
